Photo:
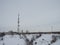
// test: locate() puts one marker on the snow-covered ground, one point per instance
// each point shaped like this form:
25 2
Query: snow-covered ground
12 40
45 39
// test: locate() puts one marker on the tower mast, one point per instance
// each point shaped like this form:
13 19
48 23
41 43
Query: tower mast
18 23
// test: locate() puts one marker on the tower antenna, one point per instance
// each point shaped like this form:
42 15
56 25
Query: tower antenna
18 23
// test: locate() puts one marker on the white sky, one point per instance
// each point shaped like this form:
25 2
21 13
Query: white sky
35 15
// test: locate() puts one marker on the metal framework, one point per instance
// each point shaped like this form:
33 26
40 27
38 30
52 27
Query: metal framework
18 23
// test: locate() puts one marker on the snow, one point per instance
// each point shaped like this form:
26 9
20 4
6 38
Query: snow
45 39
57 42
13 40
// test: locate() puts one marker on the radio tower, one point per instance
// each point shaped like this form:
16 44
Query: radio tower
18 23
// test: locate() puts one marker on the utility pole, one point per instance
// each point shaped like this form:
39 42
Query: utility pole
18 23
51 28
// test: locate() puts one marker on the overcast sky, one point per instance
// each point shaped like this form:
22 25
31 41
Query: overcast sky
35 15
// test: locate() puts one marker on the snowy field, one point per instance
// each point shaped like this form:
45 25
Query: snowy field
44 39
